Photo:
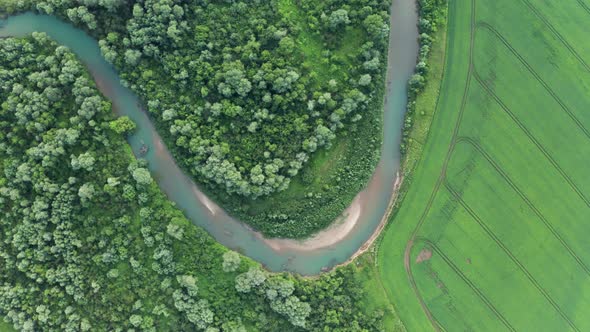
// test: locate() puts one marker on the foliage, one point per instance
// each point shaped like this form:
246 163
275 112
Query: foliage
89 243
122 125
246 104
432 14
231 261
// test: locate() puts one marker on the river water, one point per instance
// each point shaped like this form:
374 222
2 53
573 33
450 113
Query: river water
403 48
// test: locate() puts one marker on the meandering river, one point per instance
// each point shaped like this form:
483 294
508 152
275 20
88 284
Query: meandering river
369 207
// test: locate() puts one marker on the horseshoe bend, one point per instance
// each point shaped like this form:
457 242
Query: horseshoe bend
358 165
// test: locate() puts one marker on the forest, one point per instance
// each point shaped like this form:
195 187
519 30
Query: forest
89 243
245 104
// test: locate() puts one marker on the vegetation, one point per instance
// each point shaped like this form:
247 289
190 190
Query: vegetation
490 235
89 243
244 104
366 275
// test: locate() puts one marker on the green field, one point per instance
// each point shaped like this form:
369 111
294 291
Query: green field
491 234
6 327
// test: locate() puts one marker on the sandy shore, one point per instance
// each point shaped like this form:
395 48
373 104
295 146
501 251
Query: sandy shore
212 207
339 230
335 233
396 186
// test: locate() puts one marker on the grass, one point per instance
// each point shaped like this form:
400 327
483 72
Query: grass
5 327
497 201
376 298
310 44
313 46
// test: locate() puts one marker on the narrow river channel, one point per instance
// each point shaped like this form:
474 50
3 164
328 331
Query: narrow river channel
275 255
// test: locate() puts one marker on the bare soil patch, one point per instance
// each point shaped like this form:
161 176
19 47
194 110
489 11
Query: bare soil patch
424 255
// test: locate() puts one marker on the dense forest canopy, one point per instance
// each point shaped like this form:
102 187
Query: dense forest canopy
273 107
243 102
89 243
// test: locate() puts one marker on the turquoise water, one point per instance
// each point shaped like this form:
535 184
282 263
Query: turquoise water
181 190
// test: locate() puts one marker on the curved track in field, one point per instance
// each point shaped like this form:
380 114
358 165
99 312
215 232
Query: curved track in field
467 281
455 139
520 193
439 182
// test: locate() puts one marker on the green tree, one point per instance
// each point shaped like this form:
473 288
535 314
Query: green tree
246 281
123 125
142 176
339 17
231 261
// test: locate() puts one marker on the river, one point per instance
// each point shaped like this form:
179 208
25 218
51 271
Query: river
370 205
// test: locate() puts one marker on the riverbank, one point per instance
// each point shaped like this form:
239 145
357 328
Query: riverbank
340 229
203 212
377 233
389 255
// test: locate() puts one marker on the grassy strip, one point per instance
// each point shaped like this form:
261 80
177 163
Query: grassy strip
424 112
425 109
6 327
376 299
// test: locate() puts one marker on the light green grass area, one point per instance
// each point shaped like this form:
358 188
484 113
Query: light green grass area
310 44
313 46
376 300
5 327
492 233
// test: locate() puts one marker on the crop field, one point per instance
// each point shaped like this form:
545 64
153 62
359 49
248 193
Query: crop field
493 232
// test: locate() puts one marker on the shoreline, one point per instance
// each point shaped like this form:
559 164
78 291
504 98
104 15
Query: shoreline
336 232
183 192
371 240
341 229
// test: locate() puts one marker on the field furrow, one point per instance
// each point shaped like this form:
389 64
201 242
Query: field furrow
494 227
512 257
440 285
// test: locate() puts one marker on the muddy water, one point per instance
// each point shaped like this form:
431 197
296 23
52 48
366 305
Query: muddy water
367 209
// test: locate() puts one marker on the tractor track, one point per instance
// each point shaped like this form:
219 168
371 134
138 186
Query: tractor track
506 43
584 5
530 136
512 257
511 183
467 281
439 182
556 33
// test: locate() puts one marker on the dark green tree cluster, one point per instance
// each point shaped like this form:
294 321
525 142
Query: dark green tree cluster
432 13
240 100
89 243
